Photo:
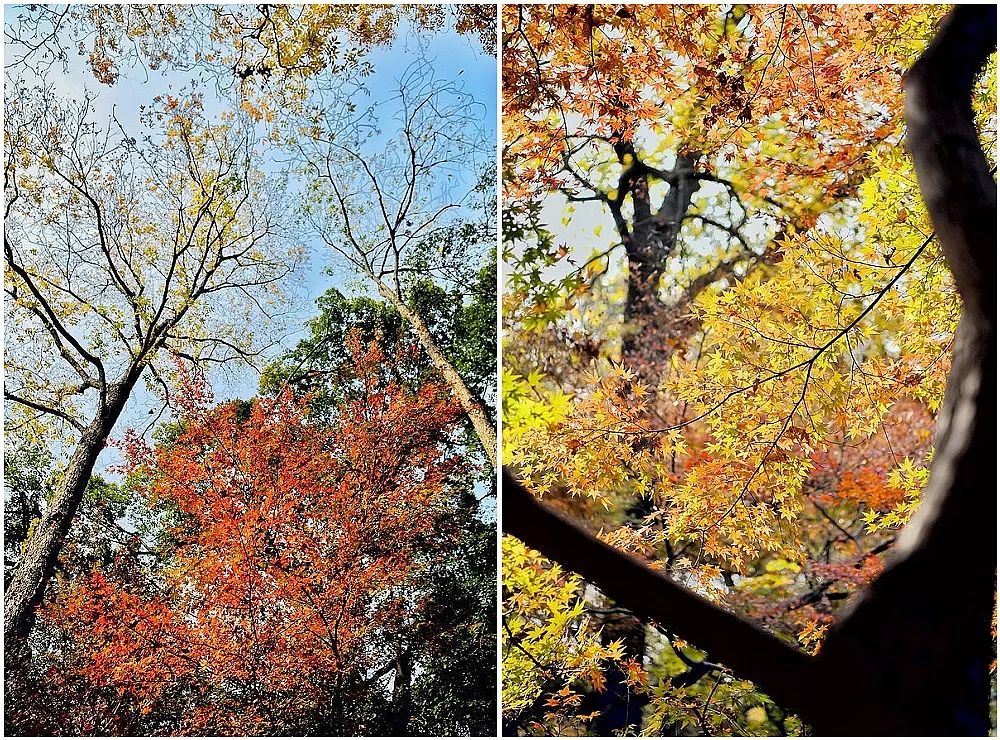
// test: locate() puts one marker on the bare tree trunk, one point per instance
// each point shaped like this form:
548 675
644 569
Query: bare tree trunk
41 551
471 405
652 241
912 656
402 695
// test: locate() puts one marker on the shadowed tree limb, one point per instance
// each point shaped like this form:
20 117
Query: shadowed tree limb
916 645
651 595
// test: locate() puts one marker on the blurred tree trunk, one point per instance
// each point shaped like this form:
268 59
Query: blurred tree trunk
915 648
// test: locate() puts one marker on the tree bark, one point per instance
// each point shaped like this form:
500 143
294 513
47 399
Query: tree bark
472 406
915 649
912 655
41 551
652 239
402 695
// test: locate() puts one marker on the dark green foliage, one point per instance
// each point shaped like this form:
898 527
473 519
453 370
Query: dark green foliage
462 320
456 692
464 323
318 363
27 469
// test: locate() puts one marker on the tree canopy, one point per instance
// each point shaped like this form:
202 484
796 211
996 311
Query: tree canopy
317 555
728 324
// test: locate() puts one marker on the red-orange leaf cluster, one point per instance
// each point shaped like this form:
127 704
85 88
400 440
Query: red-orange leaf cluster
294 546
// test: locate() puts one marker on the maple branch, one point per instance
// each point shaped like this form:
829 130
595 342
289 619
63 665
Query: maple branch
826 515
749 651
734 193
805 364
516 642
695 669
598 256
732 231
955 179
723 269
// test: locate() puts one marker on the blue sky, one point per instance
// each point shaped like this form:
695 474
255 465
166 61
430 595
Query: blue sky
455 58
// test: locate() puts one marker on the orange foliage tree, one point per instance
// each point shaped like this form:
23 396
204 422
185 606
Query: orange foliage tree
283 592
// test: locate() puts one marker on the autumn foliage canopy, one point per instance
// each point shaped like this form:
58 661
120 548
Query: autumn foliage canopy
290 560
728 327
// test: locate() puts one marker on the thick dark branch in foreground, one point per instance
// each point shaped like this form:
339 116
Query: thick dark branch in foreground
917 642
954 176
749 651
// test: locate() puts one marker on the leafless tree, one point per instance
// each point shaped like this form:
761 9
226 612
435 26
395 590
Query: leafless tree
413 201
118 252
